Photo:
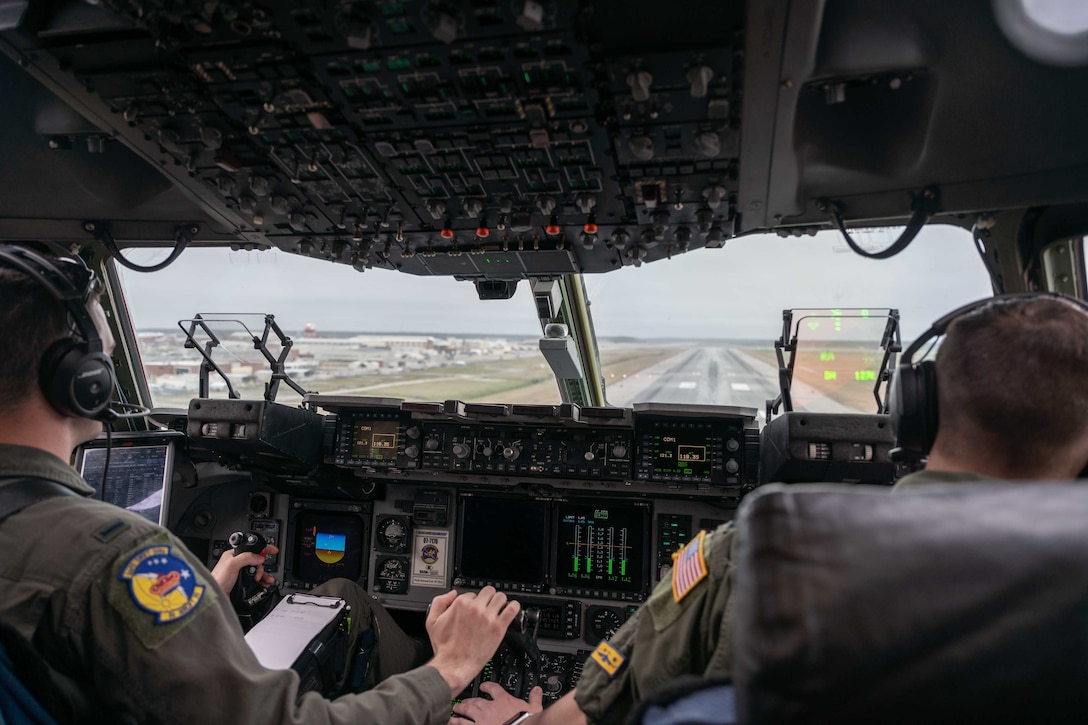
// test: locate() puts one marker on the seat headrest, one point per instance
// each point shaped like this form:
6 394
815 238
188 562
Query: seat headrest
942 604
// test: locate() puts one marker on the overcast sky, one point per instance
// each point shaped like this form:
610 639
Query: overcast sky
735 292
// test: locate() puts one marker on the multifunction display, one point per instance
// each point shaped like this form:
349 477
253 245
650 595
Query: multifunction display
374 440
601 547
502 543
138 480
329 545
682 451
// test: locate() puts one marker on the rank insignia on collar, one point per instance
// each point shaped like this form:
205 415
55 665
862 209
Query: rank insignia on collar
608 658
162 583
688 568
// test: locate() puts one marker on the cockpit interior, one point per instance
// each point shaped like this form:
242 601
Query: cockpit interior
532 145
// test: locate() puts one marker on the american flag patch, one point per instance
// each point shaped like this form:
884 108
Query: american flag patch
688 568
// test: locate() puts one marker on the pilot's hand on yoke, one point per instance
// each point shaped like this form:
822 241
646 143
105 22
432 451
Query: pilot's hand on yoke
499 709
465 631
227 568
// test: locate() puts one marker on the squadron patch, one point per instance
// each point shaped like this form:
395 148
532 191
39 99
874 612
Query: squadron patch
161 583
608 658
688 567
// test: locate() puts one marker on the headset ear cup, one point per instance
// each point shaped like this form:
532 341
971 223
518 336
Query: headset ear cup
912 405
52 377
896 402
75 382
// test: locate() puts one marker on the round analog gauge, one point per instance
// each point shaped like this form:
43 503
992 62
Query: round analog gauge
393 534
556 662
392 575
603 623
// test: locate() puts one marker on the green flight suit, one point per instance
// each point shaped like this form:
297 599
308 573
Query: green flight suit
665 639
75 578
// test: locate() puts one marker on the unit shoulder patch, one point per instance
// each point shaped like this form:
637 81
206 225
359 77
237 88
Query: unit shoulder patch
608 658
689 567
156 590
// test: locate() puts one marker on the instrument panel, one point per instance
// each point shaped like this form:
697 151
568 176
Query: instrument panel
702 452
573 511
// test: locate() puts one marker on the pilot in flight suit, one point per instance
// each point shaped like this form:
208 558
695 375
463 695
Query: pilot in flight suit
666 639
133 627
87 598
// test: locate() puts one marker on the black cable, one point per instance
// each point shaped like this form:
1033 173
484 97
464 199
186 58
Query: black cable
917 220
121 409
109 448
924 205
103 235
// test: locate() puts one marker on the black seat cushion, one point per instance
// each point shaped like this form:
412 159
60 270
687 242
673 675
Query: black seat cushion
941 604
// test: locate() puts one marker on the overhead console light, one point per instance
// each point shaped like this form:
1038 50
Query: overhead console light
1054 32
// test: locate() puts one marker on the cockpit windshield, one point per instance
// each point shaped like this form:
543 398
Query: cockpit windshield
380 334
698 329
719 312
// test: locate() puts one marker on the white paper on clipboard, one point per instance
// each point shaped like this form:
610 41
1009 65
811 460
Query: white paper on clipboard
281 637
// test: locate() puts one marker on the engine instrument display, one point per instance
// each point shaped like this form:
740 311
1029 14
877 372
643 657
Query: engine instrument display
503 543
600 549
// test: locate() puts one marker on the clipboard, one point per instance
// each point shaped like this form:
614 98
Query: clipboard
299 620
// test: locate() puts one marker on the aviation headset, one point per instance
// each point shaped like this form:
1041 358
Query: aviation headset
912 394
76 375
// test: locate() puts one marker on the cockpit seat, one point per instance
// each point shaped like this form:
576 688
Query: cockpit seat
944 604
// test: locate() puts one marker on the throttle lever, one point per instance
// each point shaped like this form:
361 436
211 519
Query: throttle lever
521 638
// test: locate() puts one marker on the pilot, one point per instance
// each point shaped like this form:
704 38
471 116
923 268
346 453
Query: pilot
1012 382
129 621
1012 394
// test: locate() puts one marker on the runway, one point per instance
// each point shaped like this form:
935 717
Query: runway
709 376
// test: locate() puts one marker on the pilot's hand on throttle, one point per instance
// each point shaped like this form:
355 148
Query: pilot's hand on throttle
465 631
501 707
227 568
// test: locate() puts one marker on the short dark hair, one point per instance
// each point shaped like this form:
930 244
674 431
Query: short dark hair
31 319
1013 377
